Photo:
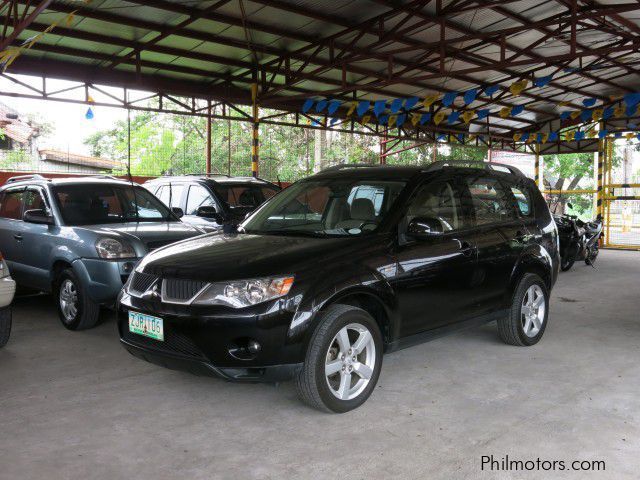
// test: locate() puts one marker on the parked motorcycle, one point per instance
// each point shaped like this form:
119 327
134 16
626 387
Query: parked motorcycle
578 240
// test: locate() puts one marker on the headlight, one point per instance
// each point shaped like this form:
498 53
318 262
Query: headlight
111 248
244 293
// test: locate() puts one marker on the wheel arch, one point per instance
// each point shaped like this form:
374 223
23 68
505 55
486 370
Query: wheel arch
535 260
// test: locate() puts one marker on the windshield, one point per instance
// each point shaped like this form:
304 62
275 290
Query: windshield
335 207
244 195
93 204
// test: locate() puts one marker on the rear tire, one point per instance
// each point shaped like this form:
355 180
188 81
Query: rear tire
75 309
5 325
343 360
527 319
567 262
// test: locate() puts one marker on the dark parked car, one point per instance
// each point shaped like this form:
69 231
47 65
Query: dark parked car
210 202
80 238
342 267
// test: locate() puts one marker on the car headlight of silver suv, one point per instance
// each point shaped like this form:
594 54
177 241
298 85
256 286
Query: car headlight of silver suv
244 293
111 248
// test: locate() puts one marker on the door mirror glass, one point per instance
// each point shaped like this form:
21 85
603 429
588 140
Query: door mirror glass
38 216
177 211
208 211
422 228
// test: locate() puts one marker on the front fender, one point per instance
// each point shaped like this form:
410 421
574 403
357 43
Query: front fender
337 284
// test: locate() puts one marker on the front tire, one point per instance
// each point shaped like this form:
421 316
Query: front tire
527 319
5 326
343 360
75 309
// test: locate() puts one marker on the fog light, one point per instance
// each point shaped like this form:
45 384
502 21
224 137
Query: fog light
127 267
245 349
253 347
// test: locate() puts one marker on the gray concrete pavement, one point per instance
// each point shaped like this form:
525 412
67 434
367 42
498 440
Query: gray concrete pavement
75 405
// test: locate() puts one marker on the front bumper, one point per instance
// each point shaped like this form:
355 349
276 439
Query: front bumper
202 342
103 279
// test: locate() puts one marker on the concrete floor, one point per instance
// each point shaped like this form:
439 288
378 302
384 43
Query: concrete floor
77 406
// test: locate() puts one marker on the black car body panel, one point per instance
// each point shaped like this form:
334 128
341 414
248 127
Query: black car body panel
416 290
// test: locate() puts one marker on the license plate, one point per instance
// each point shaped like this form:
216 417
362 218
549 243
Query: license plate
147 325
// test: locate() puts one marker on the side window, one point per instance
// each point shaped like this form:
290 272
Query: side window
523 201
11 204
170 195
33 200
439 200
198 197
490 201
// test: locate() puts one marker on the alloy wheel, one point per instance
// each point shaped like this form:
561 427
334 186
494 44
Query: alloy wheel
533 310
68 300
350 361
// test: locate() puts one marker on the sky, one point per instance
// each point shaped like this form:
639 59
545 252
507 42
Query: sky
68 119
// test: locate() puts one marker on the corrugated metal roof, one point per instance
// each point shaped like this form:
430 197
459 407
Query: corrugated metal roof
387 49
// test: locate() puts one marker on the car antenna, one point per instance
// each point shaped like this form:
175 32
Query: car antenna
279 182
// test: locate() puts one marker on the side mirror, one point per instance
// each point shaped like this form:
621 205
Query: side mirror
177 211
38 216
422 228
570 205
208 211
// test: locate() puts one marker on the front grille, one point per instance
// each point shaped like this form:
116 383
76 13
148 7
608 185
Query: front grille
141 281
158 243
178 290
174 342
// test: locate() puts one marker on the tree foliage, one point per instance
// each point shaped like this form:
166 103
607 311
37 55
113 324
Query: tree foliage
175 144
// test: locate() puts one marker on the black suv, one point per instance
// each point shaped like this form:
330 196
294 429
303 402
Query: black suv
213 201
342 267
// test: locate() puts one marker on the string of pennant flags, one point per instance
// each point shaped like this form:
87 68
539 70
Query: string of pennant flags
397 112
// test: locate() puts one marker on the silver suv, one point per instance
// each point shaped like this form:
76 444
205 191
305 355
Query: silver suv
212 201
81 237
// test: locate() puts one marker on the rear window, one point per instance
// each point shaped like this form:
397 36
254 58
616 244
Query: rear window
523 201
244 195
491 203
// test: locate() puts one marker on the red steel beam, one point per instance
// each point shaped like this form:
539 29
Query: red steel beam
24 23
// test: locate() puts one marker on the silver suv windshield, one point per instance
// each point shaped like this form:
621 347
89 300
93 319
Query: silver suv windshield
326 207
94 204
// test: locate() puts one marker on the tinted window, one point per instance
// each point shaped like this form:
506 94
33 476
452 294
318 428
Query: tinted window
490 201
327 207
91 204
11 204
33 200
244 195
170 194
523 200
198 197
440 201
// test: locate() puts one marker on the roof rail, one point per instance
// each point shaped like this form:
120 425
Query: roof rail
470 163
342 166
108 177
20 178
204 175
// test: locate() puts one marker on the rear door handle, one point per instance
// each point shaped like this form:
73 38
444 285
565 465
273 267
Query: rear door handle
17 236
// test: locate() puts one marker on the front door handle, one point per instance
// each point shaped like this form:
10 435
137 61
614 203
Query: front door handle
17 236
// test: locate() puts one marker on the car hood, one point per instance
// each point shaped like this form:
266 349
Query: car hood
152 234
218 256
